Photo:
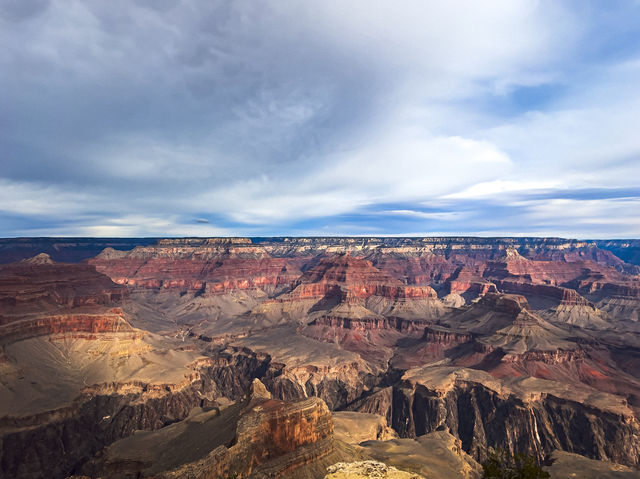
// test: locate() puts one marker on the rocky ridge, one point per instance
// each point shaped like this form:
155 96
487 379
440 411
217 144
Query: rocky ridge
246 439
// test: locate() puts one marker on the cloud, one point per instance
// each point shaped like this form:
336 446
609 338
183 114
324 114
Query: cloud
500 187
277 117
427 215
32 199
21 10
397 168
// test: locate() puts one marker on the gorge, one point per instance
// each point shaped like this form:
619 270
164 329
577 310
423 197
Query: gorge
280 357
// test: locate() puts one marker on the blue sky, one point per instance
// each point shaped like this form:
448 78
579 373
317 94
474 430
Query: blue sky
180 118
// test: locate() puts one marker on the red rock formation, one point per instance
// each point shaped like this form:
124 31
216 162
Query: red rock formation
275 428
512 265
30 286
219 266
212 269
424 269
567 283
378 314
108 322
585 253
354 279
40 297
466 279
260 436
513 271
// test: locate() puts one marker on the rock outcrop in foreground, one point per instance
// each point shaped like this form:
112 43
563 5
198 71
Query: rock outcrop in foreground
256 437
367 470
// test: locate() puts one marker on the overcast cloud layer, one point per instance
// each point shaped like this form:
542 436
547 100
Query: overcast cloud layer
177 118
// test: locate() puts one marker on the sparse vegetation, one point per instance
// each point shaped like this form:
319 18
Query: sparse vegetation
502 465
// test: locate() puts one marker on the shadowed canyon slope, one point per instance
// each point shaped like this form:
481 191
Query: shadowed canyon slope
227 356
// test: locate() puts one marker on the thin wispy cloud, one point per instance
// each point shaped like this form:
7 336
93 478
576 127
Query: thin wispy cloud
255 118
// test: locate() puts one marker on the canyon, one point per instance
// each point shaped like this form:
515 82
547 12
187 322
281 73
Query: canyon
306 357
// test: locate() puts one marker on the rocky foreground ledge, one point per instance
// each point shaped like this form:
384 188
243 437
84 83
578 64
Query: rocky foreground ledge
367 469
255 437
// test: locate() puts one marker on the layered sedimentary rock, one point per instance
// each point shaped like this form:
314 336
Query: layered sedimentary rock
252 438
459 345
354 304
346 287
60 413
303 367
76 376
556 249
216 267
346 299
575 287
40 297
476 248
357 278
505 315
506 338
528 416
30 285
413 266
560 271
468 280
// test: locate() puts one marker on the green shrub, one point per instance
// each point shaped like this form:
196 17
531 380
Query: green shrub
502 465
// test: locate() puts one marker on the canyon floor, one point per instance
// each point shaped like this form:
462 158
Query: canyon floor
317 357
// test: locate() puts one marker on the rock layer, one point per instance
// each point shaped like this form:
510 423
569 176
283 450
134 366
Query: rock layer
460 344
256 436
525 417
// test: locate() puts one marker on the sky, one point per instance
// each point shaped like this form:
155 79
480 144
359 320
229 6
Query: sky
345 117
